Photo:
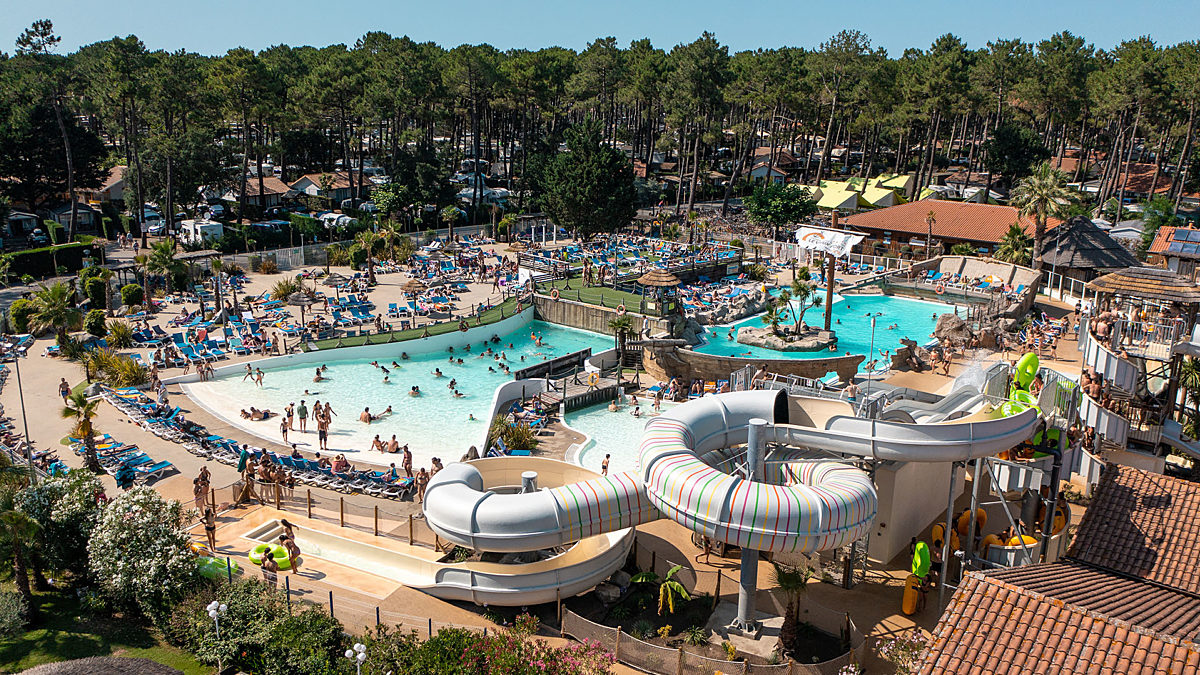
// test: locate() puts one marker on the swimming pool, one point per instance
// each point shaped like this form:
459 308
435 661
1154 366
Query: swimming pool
611 433
914 319
433 424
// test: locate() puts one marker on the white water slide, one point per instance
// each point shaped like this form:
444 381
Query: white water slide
818 505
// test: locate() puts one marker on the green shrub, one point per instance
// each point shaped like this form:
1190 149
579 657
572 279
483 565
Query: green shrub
755 271
19 313
268 267
642 629
40 262
96 290
309 642
339 256
13 613
132 294
120 334
695 636
96 323
737 243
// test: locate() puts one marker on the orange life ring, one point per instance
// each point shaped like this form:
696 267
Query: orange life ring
620 310
554 294
939 289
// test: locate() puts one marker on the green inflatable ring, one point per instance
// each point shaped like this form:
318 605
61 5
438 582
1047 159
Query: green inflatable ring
281 557
215 568
1010 408
256 554
1025 397
1026 370
920 561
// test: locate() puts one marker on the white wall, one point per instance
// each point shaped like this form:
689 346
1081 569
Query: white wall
911 496
377 352
507 392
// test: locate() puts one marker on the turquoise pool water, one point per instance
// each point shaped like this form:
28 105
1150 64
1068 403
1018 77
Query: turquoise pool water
913 319
434 424
611 433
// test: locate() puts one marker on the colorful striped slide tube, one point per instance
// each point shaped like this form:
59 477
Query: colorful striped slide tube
829 505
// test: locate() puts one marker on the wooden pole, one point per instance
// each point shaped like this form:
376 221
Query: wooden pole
287 586
410 529
342 511
679 667
278 507
376 520
717 595
558 608
617 648
309 502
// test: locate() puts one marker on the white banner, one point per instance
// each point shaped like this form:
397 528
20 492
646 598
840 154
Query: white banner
834 242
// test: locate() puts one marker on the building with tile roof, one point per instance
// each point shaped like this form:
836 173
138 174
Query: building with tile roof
980 225
1125 599
1177 249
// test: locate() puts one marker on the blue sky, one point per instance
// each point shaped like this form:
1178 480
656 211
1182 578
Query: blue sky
214 26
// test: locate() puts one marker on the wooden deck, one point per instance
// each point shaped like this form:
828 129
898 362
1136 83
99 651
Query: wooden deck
575 392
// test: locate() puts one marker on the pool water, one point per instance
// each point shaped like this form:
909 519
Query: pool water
914 319
611 433
433 424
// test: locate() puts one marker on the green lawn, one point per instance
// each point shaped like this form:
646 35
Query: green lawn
64 633
605 297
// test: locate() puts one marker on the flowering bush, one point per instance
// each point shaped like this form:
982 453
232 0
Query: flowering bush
13 613
903 651
139 553
66 509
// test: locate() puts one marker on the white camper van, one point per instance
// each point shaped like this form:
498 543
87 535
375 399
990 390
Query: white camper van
200 231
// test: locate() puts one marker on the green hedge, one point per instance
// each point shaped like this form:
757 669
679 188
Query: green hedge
39 262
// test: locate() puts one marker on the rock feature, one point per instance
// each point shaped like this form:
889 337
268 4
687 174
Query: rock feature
736 308
810 341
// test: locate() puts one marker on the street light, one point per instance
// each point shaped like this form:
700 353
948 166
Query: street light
216 610
871 354
357 655
28 444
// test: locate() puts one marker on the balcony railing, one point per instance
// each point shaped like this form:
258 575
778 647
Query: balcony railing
1118 371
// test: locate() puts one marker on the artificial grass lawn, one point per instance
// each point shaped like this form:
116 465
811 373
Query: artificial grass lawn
65 632
595 295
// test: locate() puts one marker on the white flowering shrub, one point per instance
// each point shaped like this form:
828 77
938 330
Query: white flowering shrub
139 555
13 613
65 507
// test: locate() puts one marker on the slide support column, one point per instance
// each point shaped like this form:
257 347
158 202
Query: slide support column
748 583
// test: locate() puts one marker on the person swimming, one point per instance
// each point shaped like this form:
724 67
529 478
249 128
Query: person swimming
403 356
415 391
437 372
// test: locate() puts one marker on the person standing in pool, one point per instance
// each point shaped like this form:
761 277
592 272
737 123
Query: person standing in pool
258 377
302 414
604 465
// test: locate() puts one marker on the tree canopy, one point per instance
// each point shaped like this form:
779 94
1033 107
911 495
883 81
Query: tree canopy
589 188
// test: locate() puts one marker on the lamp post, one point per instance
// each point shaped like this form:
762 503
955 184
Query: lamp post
871 353
24 420
215 611
358 654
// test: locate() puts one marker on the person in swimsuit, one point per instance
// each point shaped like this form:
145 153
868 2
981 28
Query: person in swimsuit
210 527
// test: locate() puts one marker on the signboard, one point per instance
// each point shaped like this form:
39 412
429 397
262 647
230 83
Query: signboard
834 242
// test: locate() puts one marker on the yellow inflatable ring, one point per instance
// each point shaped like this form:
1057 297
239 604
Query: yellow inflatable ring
593 378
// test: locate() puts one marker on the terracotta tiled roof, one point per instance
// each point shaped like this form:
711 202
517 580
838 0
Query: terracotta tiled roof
341 180
1164 237
271 186
954 220
993 626
1151 606
1144 525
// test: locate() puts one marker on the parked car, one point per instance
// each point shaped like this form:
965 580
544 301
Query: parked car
38 238
216 210
277 212
156 227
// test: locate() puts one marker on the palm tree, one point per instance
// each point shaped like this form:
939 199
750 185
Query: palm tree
1189 379
962 249
54 309
449 216
621 325
774 316
389 234
794 584
805 294
1015 246
161 260
668 588
18 532
366 241
80 409
141 261
1042 195
930 221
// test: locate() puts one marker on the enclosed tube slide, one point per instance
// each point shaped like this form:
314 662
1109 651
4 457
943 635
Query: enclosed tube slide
831 504
960 400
